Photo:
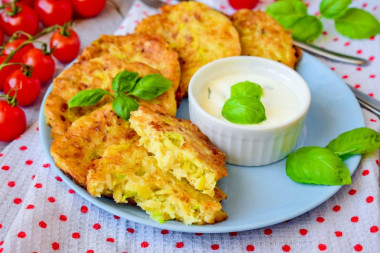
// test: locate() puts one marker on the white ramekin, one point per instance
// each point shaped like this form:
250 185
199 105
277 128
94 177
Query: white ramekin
242 144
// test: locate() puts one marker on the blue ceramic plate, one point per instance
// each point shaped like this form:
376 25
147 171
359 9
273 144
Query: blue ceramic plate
261 196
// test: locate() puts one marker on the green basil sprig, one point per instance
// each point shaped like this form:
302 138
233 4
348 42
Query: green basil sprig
350 22
317 165
244 106
126 86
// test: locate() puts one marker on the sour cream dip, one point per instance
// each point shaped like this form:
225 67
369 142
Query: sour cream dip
279 101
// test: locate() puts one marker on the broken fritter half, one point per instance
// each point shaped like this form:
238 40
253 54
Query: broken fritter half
180 148
197 32
128 172
260 35
94 73
86 139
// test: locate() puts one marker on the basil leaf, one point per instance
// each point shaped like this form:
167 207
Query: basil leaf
332 9
244 110
151 86
316 165
355 142
123 106
357 24
307 29
287 12
247 89
124 81
87 97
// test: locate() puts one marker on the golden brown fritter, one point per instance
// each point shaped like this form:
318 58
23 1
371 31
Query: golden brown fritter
129 172
180 148
93 73
151 50
197 32
260 35
86 139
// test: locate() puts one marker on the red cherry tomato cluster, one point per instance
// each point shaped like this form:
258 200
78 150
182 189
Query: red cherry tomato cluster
24 68
243 4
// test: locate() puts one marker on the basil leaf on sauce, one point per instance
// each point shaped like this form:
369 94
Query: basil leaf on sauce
247 89
244 110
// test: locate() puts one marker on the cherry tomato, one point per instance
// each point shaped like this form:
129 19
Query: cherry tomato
4 72
88 8
243 4
28 88
53 12
27 2
12 121
13 45
1 37
66 47
24 19
43 64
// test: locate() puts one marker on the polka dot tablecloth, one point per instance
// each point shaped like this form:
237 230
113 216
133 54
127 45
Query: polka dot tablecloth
40 213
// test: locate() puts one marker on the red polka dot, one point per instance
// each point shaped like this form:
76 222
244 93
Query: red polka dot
1 226
324 33
372 38
17 201
46 165
377 162
371 58
371 94
1 154
110 239
5 167
364 5
365 172
335 39
116 217
359 69
75 235
55 246
51 199
215 246
22 148
286 248
28 162
179 245
250 247
90 251
233 233
63 217
198 234
21 234
71 191
144 244
345 77
357 86
38 185
58 178
164 232
84 209
359 51
1 243
42 224
320 219
130 230
355 219
11 183
33 177
352 192
373 120
268 231
338 233
369 199
322 247
30 207
347 44
358 247
372 76
332 68
303 231
374 229
336 208
97 226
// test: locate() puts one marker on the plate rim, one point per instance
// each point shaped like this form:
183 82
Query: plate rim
173 225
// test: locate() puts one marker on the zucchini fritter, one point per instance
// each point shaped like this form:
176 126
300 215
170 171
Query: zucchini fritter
86 139
94 73
130 172
260 35
180 148
197 32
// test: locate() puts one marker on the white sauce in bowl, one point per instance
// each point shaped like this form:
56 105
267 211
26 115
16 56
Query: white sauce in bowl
280 102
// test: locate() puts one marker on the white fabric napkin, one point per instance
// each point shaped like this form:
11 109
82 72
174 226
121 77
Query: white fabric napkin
40 213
